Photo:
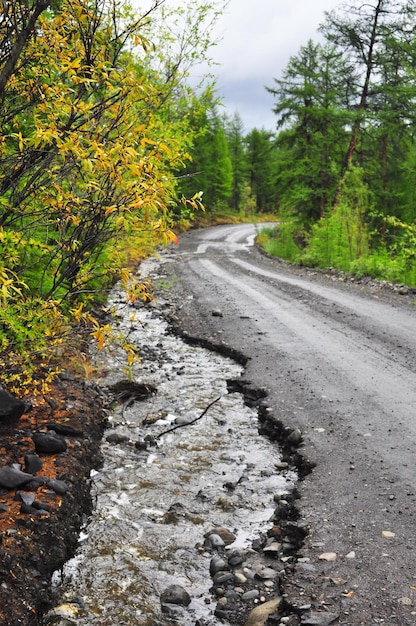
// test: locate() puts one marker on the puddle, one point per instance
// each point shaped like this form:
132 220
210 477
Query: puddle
154 505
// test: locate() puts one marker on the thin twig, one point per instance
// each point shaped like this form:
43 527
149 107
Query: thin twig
165 432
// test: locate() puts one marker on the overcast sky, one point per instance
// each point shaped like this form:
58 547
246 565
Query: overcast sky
258 39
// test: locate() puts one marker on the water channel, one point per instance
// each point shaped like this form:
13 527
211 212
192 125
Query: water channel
154 505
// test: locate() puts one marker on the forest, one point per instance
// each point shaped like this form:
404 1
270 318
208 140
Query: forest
339 168
108 150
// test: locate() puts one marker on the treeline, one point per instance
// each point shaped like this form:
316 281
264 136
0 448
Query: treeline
235 171
340 168
95 119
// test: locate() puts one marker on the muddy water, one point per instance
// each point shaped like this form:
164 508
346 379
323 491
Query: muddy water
154 505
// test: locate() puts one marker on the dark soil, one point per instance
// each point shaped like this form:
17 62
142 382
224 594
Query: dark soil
33 546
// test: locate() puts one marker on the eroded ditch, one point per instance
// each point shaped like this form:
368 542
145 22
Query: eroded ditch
207 507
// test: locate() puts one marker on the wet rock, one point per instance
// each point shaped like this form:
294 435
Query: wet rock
175 594
33 463
175 513
250 595
226 535
239 578
58 486
222 577
235 559
11 478
267 573
272 549
260 615
49 443
173 611
130 391
214 542
217 564
217 313
117 438
11 408
318 619
221 613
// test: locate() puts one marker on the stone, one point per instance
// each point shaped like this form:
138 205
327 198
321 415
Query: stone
260 615
33 463
226 535
250 595
58 486
11 408
49 443
217 564
117 438
295 437
273 548
214 541
11 478
318 619
222 577
64 429
240 578
27 498
175 594
31 510
328 556
267 573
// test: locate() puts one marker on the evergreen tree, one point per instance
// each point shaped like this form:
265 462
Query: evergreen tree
210 170
234 130
311 105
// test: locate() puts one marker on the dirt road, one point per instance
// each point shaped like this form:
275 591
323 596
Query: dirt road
339 362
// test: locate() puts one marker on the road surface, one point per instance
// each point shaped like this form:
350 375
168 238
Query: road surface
339 363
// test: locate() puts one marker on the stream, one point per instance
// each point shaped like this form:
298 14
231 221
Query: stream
157 496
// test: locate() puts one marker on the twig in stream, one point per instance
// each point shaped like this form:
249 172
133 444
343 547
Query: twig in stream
165 432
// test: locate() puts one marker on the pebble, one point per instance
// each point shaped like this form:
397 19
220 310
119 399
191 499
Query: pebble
328 556
267 573
318 619
222 577
240 578
250 595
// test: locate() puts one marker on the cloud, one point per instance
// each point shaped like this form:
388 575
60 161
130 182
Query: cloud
258 39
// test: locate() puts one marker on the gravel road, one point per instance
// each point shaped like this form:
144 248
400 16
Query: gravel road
338 360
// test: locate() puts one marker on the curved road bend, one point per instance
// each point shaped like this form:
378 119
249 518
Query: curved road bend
339 362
